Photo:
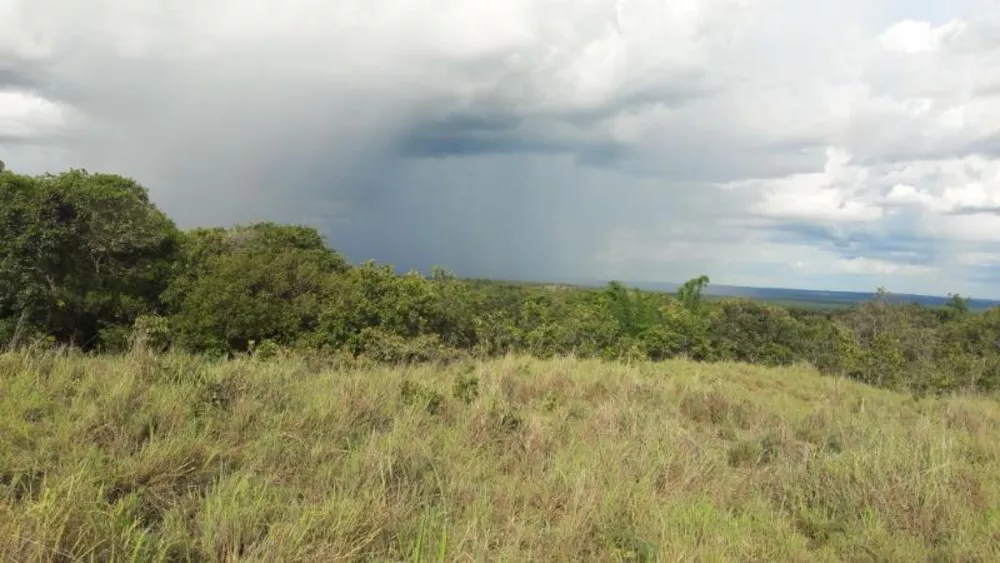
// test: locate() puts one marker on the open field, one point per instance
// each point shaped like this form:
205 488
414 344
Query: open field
156 458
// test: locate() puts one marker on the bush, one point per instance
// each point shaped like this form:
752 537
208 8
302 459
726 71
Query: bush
754 332
265 350
82 255
151 332
255 283
385 347
681 332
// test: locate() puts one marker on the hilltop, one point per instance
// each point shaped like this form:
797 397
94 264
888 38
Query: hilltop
146 457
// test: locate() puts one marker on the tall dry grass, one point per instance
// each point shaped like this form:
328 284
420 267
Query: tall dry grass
179 458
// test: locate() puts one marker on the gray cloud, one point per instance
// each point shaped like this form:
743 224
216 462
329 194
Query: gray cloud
528 139
11 77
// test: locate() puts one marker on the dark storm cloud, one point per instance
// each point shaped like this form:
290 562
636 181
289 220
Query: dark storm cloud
12 77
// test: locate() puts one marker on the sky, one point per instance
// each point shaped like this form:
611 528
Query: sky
829 144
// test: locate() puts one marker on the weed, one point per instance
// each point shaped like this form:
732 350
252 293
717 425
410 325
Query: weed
466 388
415 394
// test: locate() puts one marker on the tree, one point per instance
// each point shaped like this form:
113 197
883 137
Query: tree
681 331
453 320
690 293
955 308
751 331
81 255
2 166
896 343
633 309
970 351
250 283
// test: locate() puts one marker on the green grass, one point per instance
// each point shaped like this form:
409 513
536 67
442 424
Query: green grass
173 458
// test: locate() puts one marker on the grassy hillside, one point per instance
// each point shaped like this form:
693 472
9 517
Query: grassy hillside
153 458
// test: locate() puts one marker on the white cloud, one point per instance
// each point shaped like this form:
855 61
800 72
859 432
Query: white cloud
909 36
973 229
792 264
834 195
30 117
863 265
949 199
905 194
982 259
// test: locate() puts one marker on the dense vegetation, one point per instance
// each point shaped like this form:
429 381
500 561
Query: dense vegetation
88 260
176 457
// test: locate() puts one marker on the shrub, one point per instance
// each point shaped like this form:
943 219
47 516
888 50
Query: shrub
754 332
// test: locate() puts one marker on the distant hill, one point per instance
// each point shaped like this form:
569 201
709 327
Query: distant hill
835 298
807 298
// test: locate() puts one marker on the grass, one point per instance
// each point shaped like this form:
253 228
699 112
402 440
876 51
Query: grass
180 458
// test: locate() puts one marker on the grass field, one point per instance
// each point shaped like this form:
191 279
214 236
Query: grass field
172 458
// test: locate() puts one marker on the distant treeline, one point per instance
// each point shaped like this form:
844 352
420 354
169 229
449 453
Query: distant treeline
87 260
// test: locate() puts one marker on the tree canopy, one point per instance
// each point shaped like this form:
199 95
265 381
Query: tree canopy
81 254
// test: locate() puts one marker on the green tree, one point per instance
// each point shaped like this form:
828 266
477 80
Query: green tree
829 347
896 343
750 331
453 318
587 329
690 293
634 310
970 351
680 332
956 308
249 284
372 297
81 255
538 326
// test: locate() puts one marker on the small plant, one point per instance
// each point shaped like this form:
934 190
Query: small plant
217 394
510 421
770 447
466 388
413 393
423 540
744 454
631 548
551 402
151 332
265 350
716 408
751 453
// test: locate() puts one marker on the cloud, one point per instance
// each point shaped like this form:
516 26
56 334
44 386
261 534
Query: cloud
863 265
910 37
827 144
830 196
26 118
